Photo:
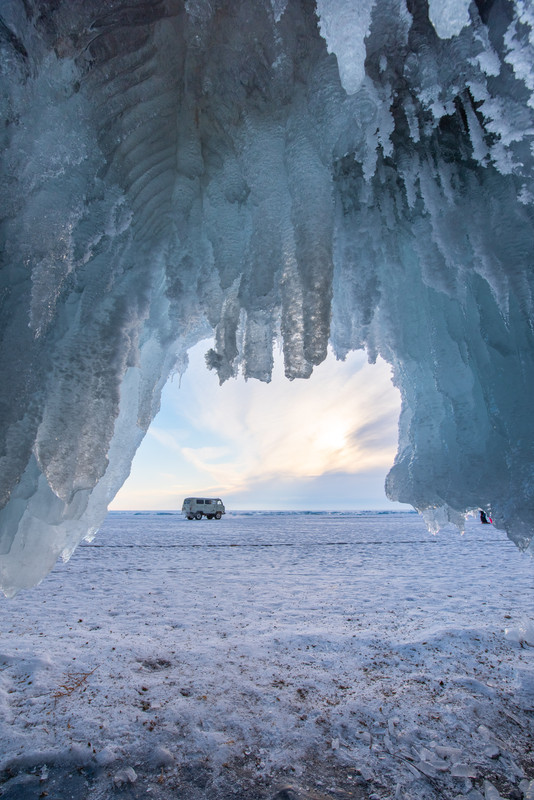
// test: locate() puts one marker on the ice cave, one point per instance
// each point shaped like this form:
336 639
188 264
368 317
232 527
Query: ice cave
331 173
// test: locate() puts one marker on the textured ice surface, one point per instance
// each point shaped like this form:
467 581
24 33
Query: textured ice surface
254 170
344 650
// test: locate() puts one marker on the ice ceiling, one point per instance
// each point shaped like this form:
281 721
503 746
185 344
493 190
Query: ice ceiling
358 173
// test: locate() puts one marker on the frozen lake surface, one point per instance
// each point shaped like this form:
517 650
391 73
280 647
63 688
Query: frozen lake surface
349 655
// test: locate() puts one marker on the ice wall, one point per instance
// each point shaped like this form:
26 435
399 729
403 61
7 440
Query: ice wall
260 169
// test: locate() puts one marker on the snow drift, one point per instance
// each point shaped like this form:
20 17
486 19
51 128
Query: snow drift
257 169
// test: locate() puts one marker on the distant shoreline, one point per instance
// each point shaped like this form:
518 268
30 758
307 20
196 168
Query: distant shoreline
172 511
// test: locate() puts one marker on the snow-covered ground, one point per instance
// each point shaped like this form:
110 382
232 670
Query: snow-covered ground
272 655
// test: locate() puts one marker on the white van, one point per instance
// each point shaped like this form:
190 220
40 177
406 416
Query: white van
196 507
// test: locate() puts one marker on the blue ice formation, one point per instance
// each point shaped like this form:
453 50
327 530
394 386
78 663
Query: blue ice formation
358 174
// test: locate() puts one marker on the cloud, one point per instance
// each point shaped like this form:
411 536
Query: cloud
252 440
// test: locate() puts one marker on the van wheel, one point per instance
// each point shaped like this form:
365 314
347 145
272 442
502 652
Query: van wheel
218 515
198 515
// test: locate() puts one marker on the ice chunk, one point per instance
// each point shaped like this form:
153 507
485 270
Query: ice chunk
445 751
490 792
124 777
460 770
523 634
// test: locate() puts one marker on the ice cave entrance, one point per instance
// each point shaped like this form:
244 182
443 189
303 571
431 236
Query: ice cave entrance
252 169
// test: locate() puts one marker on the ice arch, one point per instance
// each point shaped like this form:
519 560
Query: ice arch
262 169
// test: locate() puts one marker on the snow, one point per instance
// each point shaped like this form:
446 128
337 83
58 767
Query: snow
331 654
346 176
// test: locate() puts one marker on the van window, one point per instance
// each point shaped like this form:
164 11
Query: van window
208 502
200 501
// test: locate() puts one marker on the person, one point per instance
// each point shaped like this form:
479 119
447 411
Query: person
483 518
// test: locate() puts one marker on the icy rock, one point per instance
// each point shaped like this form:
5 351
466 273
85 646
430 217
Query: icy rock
124 777
527 788
492 751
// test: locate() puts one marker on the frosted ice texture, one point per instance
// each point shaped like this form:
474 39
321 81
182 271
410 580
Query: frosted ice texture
344 27
448 16
256 170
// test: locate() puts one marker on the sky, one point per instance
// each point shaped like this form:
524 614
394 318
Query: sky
325 443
